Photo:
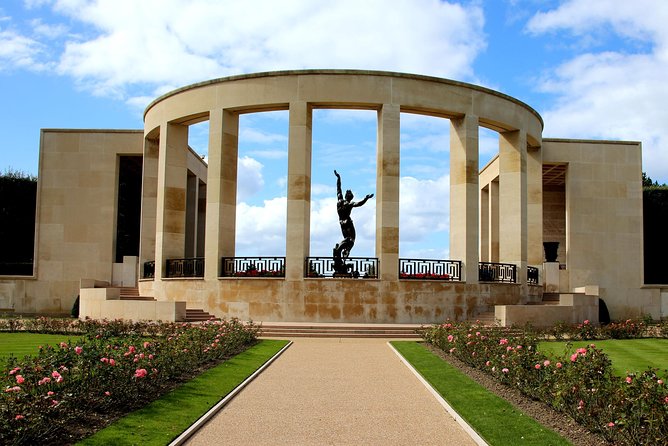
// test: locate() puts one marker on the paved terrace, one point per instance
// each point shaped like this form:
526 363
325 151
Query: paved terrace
334 391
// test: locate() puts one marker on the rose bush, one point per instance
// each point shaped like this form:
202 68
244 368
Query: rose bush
631 410
64 385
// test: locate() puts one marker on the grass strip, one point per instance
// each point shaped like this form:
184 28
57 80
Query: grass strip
495 419
627 355
23 344
166 418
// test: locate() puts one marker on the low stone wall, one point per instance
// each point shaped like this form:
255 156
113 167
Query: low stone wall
339 300
105 303
572 308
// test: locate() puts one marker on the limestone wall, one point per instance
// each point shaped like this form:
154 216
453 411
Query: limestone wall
604 226
76 213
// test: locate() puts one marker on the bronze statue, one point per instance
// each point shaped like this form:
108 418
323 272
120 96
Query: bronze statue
344 206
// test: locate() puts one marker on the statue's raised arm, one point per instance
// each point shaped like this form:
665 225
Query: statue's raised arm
339 194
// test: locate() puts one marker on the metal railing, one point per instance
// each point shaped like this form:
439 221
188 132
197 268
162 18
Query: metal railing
192 267
497 272
149 270
430 269
532 275
253 267
358 267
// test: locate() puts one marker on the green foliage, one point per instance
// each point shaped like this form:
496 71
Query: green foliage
164 419
18 197
64 385
627 355
495 419
628 411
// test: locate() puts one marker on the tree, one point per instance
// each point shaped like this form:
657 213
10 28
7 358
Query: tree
18 198
655 215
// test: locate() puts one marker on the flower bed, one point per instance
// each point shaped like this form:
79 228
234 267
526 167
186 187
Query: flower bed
43 396
630 410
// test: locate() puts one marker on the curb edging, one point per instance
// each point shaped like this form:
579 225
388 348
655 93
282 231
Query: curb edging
201 421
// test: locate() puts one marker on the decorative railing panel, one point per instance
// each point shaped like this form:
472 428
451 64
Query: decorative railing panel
497 272
149 270
532 275
193 267
428 269
358 267
253 267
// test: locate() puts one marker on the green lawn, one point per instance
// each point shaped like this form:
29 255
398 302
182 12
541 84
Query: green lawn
495 420
627 355
166 418
26 344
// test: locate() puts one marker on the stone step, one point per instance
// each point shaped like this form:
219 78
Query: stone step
198 315
327 330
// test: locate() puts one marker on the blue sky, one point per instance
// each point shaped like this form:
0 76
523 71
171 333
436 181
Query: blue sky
592 69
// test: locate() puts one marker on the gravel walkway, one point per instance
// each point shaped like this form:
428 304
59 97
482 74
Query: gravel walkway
334 392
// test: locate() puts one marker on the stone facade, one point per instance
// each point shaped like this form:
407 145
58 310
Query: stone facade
585 194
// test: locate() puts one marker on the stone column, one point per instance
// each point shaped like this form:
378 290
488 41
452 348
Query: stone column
387 192
221 190
149 192
192 189
484 224
494 221
299 190
513 201
171 196
464 192
535 206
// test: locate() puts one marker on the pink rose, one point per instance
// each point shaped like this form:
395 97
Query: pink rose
503 341
450 338
537 366
546 363
629 380
140 373
78 350
505 370
559 365
19 417
19 379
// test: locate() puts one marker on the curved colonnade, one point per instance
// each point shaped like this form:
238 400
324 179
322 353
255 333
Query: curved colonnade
294 297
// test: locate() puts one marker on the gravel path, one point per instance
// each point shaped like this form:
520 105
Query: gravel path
334 391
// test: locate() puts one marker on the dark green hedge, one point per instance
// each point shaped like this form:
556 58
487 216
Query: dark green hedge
18 195
655 222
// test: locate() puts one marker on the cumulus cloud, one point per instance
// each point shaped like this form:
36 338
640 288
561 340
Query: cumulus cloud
19 51
606 94
175 42
249 178
261 229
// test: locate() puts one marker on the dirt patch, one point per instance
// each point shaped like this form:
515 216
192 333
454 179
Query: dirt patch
544 414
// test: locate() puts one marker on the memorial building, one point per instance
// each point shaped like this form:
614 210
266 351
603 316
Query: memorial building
580 200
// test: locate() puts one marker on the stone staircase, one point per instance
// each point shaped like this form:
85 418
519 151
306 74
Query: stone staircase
336 330
192 314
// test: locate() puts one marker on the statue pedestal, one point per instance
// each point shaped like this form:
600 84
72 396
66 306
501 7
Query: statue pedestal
551 277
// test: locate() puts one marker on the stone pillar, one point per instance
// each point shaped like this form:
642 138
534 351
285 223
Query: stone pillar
221 190
535 206
171 196
494 221
484 224
387 192
464 192
513 201
192 190
299 190
149 202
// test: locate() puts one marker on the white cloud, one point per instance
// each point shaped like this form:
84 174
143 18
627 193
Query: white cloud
611 95
19 51
249 178
176 42
424 216
260 230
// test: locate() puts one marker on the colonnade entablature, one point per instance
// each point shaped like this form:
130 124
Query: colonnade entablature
221 101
